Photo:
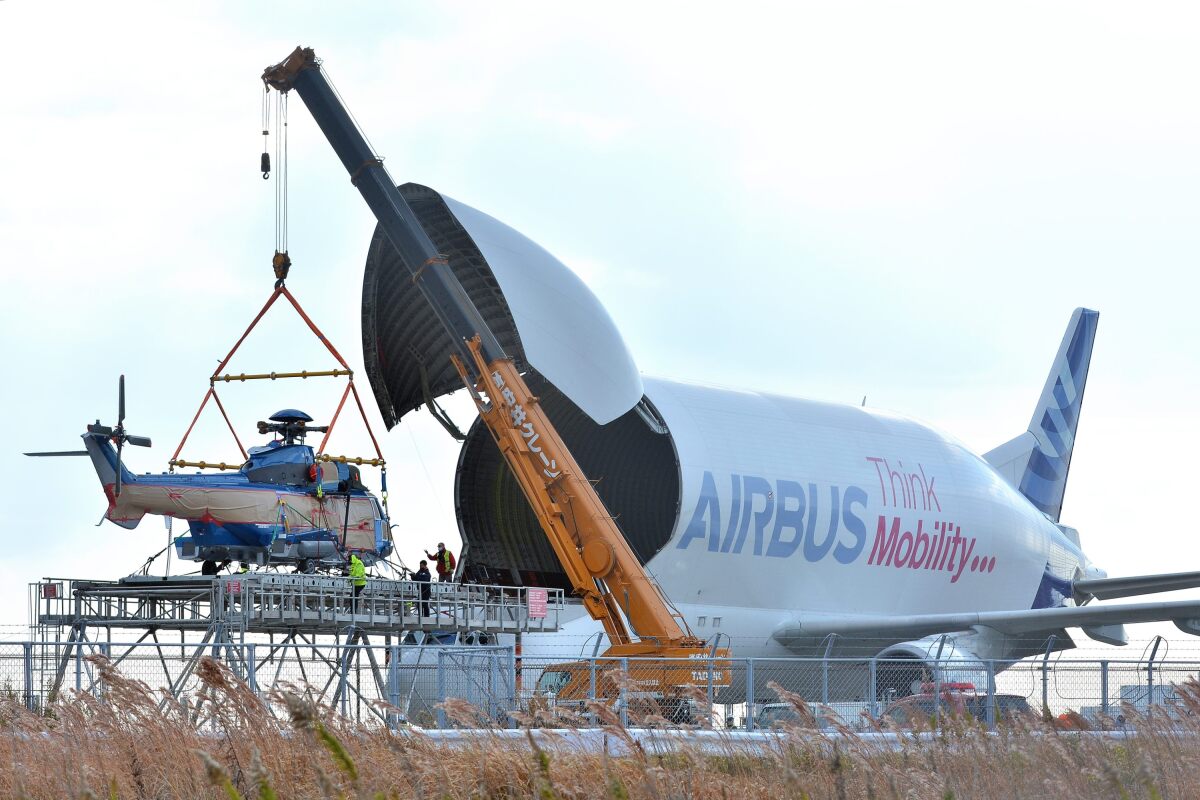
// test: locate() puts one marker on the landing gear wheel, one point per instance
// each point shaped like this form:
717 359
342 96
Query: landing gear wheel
306 566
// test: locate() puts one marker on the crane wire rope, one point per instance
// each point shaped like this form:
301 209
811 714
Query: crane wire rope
349 113
281 178
429 480
264 163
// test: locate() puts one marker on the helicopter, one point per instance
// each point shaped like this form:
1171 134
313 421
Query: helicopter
283 507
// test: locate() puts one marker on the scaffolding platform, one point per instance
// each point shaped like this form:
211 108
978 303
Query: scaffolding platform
275 603
299 614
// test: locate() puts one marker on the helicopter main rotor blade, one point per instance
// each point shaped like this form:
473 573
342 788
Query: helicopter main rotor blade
139 441
121 402
60 453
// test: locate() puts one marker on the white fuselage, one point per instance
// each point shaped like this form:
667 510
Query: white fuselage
790 506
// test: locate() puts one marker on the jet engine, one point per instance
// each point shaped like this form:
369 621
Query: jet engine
911 667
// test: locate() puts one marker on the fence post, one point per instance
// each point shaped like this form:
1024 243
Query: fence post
623 700
514 671
711 666
251 668
79 666
441 689
825 679
874 678
749 694
28 657
393 686
494 684
1046 685
991 690
592 679
1104 688
348 655
938 672
1150 687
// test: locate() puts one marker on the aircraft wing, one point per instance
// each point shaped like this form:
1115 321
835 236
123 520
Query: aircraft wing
1184 613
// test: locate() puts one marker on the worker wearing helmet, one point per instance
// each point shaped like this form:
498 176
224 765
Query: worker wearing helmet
358 574
443 560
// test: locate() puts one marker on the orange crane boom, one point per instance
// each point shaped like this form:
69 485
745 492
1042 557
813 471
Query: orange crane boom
602 568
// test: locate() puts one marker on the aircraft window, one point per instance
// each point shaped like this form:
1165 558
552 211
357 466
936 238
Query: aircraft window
552 682
716 622
700 621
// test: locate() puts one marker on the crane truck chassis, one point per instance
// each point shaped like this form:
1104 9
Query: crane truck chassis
603 570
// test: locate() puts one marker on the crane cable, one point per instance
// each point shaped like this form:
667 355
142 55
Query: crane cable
264 163
280 262
281 186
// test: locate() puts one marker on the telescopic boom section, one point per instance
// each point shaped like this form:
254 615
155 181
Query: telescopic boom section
599 562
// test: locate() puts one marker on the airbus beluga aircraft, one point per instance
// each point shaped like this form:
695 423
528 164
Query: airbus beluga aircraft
800 527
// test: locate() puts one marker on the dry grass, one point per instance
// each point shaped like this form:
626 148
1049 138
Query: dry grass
225 743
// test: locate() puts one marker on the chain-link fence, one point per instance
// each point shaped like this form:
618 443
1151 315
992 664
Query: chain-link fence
492 686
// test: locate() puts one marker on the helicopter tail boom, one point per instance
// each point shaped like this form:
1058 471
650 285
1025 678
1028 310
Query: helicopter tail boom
104 460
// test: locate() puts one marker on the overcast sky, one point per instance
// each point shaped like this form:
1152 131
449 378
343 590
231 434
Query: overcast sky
903 201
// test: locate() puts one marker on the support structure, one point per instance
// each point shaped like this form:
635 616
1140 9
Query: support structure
270 628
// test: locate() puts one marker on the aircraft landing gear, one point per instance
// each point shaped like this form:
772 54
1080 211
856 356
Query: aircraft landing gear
306 566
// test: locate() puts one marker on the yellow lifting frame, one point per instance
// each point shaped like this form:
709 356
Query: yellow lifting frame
356 460
179 462
271 376
229 377
374 462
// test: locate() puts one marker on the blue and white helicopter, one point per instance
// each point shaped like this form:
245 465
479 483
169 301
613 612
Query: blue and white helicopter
284 507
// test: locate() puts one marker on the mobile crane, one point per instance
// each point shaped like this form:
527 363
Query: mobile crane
603 570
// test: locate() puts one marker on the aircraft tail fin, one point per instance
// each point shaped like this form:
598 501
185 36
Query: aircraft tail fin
1037 461
104 459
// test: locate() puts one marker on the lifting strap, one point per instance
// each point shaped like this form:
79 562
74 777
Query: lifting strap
282 291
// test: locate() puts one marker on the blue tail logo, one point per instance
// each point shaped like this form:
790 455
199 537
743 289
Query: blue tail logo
1056 417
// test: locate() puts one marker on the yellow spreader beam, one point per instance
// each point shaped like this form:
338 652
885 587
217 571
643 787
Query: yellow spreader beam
371 462
272 376
179 462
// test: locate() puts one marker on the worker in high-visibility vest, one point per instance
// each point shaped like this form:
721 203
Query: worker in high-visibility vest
443 560
358 573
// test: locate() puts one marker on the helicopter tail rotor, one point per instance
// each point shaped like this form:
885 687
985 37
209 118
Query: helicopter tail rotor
120 436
